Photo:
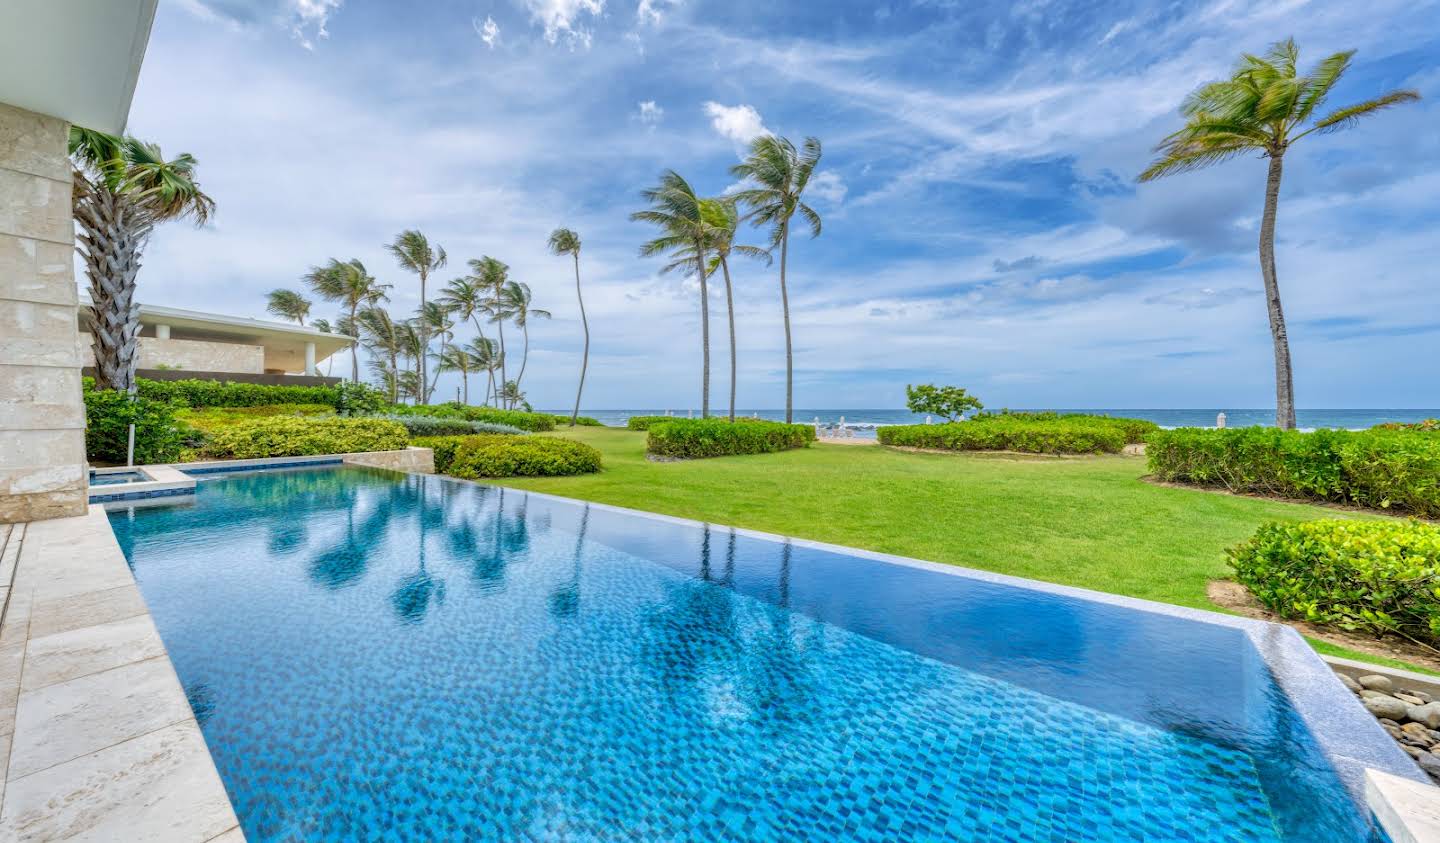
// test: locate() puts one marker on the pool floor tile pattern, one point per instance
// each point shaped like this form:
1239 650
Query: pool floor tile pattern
458 674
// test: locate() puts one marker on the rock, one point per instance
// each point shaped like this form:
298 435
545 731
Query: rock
1394 732
1417 730
1388 722
1376 682
1429 714
1411 692
1408 699
1348 682
1381 705
1413 751
1430 763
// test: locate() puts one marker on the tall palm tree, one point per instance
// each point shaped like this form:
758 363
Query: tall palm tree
457 359
412 348
486 354
381 337
288 304
516 299
780 173
416 255
563 241
123 188
676 210
722 219
435 320
1264 108
350 284
491 275
465 297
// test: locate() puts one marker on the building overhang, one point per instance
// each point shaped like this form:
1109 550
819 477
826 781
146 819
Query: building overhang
78 61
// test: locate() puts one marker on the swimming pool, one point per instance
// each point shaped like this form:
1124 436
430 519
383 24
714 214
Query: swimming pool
372 651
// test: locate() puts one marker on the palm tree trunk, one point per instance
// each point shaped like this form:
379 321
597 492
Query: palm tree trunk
785 309
1284 378
424 396
111 253
730 310
524 356
394 378
585 355
465 381
704 334
355 341
504 378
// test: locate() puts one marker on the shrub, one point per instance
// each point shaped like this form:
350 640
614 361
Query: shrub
1135 431
474 457
1375 468
444 426
200 393
695 438
1372 576
514 418
563 420
358 399
644 422
1430 425
1060 435
109 413
283 436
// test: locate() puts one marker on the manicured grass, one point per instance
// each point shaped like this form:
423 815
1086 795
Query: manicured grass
1087 522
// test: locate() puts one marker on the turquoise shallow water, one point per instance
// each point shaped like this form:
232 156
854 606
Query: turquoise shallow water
380 656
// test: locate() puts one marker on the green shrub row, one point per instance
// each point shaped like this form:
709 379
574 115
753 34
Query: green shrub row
1070 435
1428 425
1381 577
492 455
1135 431
287 436
446 426
1374 468
533 422
563 420
159 435
696 438
644 422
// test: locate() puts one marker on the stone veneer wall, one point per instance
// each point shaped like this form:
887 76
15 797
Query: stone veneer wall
42 417
189 355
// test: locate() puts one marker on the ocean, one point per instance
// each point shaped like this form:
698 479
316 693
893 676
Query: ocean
864 421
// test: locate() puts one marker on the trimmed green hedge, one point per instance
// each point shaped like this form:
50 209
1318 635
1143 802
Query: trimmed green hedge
1135 431
445 426
498 455
159 434
1381 577
1015 432
696 438
1382 469
285 436
348 399
563 420
533 422
644 422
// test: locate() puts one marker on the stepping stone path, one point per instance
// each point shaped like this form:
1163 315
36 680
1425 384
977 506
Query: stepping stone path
1411 717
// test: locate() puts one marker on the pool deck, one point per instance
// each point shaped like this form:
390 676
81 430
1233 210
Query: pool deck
96 735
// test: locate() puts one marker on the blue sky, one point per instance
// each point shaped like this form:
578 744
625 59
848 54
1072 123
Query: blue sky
982 222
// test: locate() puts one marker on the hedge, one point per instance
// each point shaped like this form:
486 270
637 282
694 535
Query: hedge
443 426
1381 577
514 418
1382 469
696 438
284 436
350 399
1428 425
563 420
1059 435
159 435
1136 431
644 422
474 457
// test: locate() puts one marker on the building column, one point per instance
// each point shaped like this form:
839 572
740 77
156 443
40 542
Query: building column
162 332
309 358
42 415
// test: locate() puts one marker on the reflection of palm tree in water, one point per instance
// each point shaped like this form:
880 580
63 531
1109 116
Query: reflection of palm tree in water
416 592
694 634
565 600
781 675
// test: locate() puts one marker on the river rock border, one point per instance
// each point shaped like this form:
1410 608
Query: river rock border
1410 716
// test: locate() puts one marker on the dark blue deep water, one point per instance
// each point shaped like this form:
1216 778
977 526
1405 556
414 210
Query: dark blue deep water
381 656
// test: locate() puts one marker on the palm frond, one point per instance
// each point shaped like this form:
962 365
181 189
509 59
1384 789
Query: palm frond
1346 117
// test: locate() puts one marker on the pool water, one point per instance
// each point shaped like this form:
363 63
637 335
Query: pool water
115 478
380 655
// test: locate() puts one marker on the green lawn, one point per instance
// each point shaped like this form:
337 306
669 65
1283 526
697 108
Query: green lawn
1086 522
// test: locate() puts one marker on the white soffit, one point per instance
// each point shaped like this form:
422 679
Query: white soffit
74 59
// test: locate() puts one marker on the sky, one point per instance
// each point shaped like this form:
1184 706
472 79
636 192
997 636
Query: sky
982 222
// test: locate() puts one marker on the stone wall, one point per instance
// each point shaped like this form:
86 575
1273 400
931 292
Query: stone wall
189 355
413 460
42 418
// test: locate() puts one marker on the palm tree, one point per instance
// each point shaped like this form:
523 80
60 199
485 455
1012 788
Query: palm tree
563 241
288 304
780 174
721 217
1263 108
413 350
465 297
457 359
434 321
123 188
348 283
515 299
486 354
491 275
416 255
381 337
676 210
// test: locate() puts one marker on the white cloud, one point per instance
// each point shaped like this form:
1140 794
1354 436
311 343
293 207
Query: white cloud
653 11
489 30
561 19
650 113
828 185
739 123
308 19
